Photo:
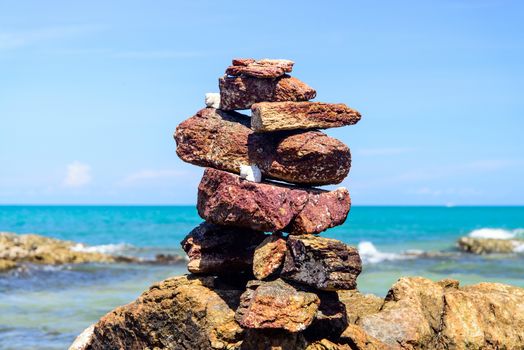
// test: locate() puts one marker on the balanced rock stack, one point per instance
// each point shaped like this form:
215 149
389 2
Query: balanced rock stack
262 233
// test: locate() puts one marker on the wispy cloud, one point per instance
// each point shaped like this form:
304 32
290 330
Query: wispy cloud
78 174
390 151
149 175
14 40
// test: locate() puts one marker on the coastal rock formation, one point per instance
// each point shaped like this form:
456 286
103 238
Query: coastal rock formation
322 263
489 245
269 256
264 68
35 249
276 305
214 249
310 158
225 199
278 116
190 312
243 91
420 314
6 265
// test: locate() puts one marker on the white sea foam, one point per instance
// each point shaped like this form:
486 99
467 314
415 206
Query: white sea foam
497 233
104 248
370 254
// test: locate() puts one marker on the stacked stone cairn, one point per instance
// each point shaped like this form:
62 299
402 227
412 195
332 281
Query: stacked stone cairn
262 214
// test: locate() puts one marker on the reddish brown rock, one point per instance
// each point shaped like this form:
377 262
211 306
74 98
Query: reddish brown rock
269 256
214 249
330 320
309 158
276 116
226 199
276 305
322 263
243 91
264 68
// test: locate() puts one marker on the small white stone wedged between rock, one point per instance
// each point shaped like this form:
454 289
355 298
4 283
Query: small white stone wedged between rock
212 100
250 173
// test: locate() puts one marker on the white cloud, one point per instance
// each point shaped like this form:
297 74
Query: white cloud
148 175
78 175
390 151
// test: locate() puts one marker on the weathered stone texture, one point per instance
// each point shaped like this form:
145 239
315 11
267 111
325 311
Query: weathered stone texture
278 116
269 256
276 305
214 249
488 245
322 263
225 199
220 140
243 91
264 68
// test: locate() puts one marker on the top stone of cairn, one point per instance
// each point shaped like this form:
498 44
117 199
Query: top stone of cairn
264 68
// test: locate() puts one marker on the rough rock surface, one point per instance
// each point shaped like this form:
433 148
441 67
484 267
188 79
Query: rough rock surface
489 245
331 318
277 116
359 305
6 265
37 249
178 313
243 91
421 314
322 263
276 305
225 199
264 68
220 250
310 158
269 256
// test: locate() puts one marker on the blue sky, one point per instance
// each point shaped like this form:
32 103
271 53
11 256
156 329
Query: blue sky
91 92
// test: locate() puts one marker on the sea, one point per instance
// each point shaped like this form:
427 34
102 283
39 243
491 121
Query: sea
46 307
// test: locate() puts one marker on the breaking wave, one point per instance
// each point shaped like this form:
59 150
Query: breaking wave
103 248
371 255
497 233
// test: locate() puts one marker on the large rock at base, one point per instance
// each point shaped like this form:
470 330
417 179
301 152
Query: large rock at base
489 245
322 263
421 314
277 116
226 199
264 68
269 256
179 313
310 158
243 91
276 305
214 249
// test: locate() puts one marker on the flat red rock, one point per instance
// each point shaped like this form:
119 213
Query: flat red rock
226 199
276 116
264 68
243 91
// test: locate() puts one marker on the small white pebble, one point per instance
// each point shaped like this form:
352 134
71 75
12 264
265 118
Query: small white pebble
250 173
213 100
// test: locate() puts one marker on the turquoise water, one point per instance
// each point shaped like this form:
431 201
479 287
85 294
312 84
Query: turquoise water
46 307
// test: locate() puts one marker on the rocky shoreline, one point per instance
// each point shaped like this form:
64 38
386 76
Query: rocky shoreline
16 250
261 275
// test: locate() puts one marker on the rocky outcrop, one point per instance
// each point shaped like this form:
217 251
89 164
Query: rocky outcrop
310 158
6 265
322 263
276 305
35 249
190 312
226 199
489 245
420 314
269 256
214 249
278 116
264 68
243 91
